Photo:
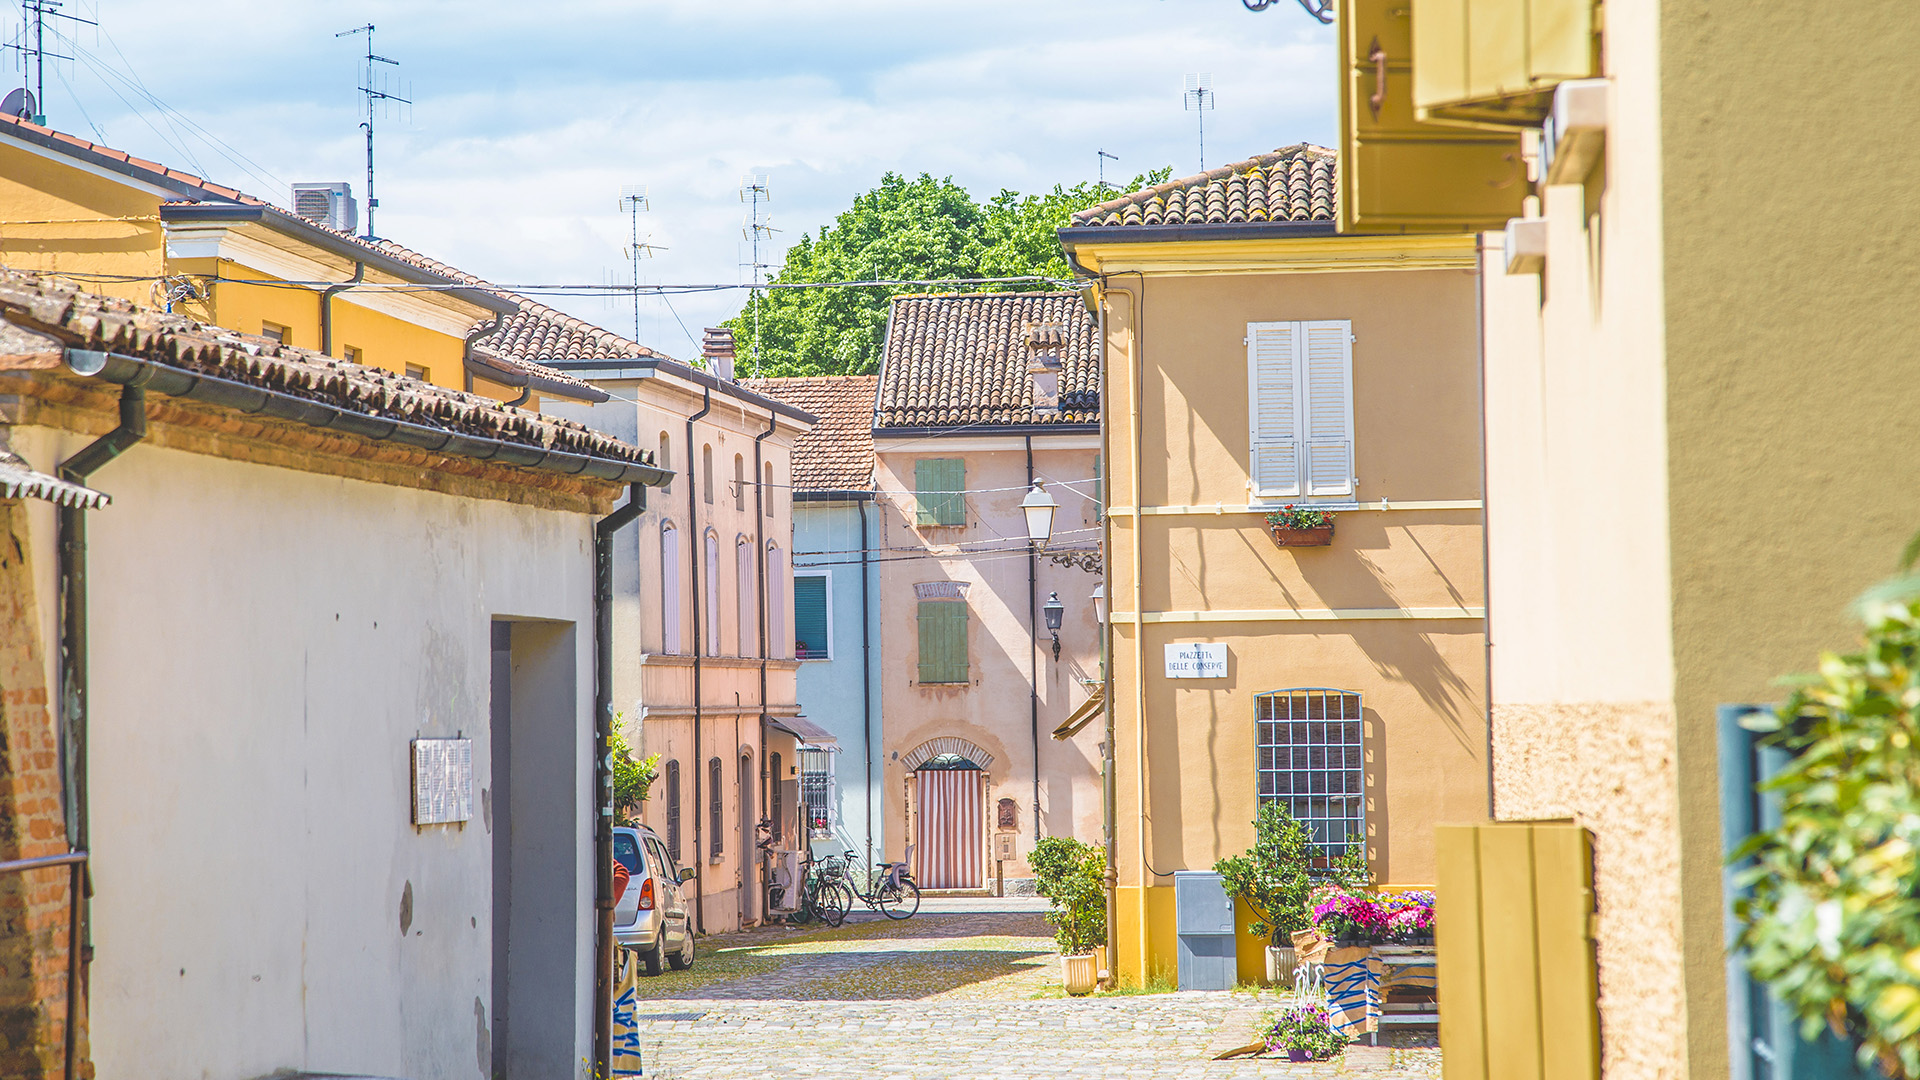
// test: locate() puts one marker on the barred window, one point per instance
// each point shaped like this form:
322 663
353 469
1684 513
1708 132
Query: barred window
1308 755
816 790
673 810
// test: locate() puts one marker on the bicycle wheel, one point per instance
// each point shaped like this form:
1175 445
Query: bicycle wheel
897 900
836 899
811 906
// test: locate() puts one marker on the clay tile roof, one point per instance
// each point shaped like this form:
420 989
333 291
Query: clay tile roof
536 332
961 360
837 455
87 321
1294 183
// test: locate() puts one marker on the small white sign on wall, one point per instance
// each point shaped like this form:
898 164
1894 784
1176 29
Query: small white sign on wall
442 781
1196 661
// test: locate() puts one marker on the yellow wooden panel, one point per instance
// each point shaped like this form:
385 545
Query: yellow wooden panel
1457 950
1439 32
1396 173
1510 958
1563 888
1497 61
1496 48
1561 40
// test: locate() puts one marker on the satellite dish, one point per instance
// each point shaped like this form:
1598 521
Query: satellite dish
19 103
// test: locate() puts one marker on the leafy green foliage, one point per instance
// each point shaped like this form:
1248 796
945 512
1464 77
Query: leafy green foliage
903 230
1832 921
1299 517
1073 876
1277 877
632 782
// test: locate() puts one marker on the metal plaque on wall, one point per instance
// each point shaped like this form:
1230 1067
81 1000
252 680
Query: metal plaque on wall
442 781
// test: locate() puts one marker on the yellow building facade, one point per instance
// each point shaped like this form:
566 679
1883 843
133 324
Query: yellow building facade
155 236
1250 364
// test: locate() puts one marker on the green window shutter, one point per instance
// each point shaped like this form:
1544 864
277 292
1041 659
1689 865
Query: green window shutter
940 484
943 641
810 617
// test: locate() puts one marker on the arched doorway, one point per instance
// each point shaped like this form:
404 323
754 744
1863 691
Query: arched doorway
950 823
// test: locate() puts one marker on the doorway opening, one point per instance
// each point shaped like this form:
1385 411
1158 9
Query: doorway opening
950 823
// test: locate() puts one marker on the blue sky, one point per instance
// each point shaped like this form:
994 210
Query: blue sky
528 118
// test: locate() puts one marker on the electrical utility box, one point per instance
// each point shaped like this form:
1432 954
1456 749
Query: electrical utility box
1203 921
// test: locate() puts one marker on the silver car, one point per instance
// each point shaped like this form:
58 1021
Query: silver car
650 918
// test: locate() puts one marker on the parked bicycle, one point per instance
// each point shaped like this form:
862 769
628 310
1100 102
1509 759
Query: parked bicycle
888 889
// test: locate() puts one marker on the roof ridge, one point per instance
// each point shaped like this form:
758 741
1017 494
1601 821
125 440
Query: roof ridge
1157 204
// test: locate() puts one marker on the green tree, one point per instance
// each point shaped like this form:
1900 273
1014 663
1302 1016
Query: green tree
903 230
1072 875
1277 876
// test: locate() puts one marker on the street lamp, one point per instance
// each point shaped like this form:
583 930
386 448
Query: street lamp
1039 507
1053 609
1100 604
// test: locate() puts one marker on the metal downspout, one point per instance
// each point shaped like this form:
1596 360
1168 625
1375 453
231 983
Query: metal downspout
1137 302
760 495
1109 811
71 534
603 531
698 599
1033 654
326 305
866 671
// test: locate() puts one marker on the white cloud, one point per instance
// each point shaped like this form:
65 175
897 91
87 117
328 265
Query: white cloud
528 118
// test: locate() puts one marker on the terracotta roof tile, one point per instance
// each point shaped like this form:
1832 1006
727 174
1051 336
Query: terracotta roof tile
837 455
1294 183
961 360
97 322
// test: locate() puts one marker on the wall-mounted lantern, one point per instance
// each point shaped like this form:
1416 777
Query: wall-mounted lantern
1039 507
1053 609
1100 604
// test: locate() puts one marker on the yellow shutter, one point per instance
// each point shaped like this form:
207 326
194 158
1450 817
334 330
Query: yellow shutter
1518 983
1495 62
1400 175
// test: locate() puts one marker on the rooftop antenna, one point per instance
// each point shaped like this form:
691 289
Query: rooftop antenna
32 48
633 199
1104 158
753 192
1199 99
374 94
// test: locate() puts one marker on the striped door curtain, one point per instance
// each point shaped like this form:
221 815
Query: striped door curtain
949 831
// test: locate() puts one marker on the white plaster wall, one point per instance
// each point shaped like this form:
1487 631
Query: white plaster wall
265 644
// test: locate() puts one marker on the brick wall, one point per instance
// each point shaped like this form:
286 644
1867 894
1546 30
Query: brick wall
33 905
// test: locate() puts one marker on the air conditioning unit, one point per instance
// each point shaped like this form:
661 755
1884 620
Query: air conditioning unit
786 875
327 204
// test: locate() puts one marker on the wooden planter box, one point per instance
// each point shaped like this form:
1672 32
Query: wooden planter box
1285 537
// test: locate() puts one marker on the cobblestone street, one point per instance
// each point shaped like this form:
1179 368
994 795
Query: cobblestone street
966 989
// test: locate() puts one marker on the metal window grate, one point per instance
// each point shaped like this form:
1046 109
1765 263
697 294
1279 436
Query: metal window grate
1308 754
816 790
673 810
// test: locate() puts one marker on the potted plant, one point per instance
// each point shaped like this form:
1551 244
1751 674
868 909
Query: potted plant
1072 876
1402 920
1276 880
1300 526
1305 1033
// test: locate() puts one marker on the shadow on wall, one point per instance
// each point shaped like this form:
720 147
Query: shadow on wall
1373 786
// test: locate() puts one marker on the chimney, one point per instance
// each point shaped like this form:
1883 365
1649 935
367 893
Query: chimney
716 345
1044 341
327 204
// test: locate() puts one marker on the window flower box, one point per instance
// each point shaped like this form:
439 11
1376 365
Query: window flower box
1294 526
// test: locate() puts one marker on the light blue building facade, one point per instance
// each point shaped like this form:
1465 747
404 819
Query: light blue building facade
836 596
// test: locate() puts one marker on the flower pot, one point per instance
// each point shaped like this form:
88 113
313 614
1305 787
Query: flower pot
1320 536
1281 960
1080 974
1294 1053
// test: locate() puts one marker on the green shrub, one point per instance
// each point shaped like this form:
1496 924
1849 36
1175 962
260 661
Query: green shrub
1832 922
1277 876
1072 876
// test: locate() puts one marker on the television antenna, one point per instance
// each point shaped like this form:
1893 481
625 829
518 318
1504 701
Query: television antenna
1104 158
31 45
633 199
753 192
1199 99
373 93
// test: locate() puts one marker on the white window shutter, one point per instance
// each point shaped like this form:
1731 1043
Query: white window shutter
1327 372
1273 410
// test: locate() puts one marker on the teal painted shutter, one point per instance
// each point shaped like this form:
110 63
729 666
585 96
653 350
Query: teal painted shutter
941 486
810 618
943 641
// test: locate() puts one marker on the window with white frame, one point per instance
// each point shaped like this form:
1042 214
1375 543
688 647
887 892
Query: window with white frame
1300 410
812 617
1308 756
